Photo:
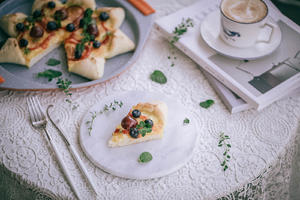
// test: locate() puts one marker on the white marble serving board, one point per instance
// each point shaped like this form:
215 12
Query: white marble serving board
169 153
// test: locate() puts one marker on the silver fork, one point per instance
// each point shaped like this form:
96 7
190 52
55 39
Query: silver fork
38 120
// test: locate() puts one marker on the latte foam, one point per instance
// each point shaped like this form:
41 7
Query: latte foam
244 11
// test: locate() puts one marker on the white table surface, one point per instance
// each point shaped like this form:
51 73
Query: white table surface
260 140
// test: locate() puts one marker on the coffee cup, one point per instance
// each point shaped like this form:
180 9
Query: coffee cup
242 22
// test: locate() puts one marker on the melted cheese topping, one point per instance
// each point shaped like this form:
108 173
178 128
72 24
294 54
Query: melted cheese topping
75 37
38 45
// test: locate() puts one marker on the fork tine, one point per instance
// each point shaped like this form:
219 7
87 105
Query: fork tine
39 109
30 109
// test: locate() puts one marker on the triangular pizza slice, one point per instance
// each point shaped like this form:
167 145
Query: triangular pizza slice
144 122
87 48
32 40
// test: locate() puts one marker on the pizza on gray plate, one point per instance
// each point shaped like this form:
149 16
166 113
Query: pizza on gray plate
90 35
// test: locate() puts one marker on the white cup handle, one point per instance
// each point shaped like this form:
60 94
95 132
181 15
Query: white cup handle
272 26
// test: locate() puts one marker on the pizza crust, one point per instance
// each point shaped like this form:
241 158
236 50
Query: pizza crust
38 4
157 111
8 23
120 43
116 16
84 3
6 55
92 67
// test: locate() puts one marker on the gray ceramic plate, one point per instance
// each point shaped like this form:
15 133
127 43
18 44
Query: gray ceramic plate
17 77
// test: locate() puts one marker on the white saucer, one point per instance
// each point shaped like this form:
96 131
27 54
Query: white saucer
169 153
210 29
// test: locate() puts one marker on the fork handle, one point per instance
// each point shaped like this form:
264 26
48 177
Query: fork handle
62 165
81 166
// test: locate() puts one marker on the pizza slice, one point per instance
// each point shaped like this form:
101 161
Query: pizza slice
87 48
32 37
30 45
144 122
8 23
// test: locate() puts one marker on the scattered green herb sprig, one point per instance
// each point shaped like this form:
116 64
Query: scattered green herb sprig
186 121
178 31
64 85
31 21
73 105
181 28
158 77
144 128
223 143
26 51
58 22
50 74
206 104
145 157
87 19
107 107
53 62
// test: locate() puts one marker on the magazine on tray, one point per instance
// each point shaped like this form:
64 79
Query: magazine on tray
260 81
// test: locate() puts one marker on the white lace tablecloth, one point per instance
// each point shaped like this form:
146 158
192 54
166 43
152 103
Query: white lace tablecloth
263 143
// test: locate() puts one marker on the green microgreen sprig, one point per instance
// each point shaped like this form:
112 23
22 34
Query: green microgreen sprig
107 107
181 29
144 128
87 19
178 31
186 121
31 21
223 143
26 51
65 86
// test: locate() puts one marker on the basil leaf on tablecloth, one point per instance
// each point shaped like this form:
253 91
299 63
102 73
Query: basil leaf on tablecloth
207 103
158 77
50 74
186 121
52 62
145 157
